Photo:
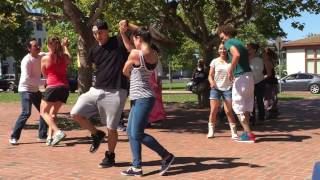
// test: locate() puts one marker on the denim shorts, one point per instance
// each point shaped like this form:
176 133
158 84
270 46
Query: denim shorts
216 94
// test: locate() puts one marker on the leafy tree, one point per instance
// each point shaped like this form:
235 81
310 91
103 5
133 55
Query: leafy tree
198 20
14 32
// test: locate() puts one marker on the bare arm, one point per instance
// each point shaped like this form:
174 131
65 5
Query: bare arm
65 45
235 59
123 28
132 59
269 66
211 77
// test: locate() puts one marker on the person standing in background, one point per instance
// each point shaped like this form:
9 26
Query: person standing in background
257 67
221 88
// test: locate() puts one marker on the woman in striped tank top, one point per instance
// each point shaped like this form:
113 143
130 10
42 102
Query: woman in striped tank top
139 67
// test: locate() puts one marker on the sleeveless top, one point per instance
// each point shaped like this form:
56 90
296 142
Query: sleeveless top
57 73
272 79
140 81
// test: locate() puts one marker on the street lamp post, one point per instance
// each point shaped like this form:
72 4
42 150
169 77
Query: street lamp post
279 47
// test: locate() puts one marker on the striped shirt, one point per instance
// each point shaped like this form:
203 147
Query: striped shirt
140 81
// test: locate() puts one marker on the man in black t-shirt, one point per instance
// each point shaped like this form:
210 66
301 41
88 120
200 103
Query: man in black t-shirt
109 93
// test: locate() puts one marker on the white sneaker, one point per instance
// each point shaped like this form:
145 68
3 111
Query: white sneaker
234 136
13 141
59 135
210 130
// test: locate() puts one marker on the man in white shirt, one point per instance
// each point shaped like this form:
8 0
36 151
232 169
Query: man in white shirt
30 81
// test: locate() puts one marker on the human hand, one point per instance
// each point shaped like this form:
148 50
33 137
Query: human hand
65 42
123 26
213 85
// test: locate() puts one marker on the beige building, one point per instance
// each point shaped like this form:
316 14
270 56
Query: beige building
303 55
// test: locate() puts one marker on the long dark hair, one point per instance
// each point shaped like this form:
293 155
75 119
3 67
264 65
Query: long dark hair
144 34
58 53
272 56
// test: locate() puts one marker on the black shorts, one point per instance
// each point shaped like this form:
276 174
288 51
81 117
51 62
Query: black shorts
55 94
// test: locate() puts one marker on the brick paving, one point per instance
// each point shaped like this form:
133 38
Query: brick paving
286 148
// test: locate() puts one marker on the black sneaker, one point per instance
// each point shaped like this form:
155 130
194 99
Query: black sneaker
108 160
166 164
132 171
121 128
96 140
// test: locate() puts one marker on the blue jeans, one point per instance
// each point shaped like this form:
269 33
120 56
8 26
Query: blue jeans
138 119
27 99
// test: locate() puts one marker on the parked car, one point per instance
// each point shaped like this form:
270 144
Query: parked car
301 82
10 78
4 85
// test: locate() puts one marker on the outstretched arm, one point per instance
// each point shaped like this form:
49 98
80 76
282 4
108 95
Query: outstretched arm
123 28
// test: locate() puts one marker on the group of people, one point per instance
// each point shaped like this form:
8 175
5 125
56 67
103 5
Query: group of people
240 77
127 63
122 63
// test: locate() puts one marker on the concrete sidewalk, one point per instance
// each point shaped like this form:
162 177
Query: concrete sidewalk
286 148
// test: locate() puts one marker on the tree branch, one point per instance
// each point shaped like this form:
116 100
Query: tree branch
244 15
96 10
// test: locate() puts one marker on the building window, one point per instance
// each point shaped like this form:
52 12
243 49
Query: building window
313 61
39 26
310 54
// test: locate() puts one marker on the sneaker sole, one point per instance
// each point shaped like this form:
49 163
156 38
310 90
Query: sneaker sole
53 143
248 141
131 175
102 166
97 147
169 165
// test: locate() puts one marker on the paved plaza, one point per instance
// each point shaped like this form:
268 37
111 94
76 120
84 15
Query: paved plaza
286 148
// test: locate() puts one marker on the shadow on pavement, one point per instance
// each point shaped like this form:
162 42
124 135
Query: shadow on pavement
296 115
182 165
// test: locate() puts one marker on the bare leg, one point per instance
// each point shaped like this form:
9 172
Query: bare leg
244 120
85 123
112 140
229 113
47 116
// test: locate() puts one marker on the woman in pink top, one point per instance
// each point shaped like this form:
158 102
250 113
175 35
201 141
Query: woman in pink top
54 68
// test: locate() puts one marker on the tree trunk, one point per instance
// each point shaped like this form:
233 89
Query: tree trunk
84 67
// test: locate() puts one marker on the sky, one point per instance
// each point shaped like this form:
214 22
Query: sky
312 25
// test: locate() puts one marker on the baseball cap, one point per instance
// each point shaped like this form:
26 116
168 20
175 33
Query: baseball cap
100 25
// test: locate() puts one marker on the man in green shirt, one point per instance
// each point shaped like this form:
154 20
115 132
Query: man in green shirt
243 84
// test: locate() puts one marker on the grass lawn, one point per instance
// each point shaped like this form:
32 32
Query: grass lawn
179 98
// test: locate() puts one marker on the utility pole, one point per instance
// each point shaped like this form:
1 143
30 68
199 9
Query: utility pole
279 47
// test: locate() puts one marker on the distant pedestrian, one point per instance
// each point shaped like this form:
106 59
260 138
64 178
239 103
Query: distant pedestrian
200 82
257 67
54 68
271 90
29 83
221 89
139 67
243 85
